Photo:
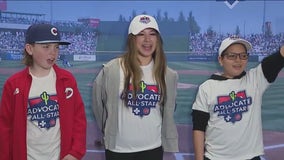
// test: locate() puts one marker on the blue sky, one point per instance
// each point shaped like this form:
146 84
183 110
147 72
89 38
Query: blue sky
248 15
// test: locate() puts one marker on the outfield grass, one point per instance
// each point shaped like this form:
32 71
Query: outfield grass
85 72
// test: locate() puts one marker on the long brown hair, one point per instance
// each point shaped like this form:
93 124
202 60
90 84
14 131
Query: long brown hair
133 72
27 59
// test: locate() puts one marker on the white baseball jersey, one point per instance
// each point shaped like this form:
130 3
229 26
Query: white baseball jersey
140 122
234 129
43 127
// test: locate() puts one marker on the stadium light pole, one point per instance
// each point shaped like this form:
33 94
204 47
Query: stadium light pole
244 28
51 12
263 18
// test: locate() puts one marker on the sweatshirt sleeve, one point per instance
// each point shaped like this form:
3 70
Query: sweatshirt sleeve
199 120
272 65
98 100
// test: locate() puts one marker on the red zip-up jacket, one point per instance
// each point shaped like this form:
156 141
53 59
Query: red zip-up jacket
13 115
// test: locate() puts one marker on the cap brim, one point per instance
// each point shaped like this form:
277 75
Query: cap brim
225 44
137 31
59 42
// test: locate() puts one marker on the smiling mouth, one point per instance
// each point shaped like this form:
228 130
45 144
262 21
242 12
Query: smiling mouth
238 67
147 47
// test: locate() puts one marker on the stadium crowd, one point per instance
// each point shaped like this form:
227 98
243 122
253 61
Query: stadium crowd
199 44
202 44
11 41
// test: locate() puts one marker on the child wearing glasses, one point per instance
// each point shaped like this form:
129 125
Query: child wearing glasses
226 114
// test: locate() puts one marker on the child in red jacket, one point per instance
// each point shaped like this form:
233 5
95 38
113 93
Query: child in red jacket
42 114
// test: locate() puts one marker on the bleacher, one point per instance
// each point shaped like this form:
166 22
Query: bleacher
84 39
13 26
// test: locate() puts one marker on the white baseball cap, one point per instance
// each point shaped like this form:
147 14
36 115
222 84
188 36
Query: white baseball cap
142 22
232 40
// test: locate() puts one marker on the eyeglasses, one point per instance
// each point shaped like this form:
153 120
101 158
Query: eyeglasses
233 56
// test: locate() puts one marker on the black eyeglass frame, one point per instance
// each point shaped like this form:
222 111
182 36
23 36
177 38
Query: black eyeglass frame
233 56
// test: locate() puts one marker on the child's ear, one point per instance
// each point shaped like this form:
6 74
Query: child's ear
28 48
220 60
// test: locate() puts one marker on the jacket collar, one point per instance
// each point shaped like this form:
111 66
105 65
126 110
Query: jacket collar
58 71
221 78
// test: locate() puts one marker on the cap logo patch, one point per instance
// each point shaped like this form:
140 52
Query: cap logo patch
145 20
234 37
54 31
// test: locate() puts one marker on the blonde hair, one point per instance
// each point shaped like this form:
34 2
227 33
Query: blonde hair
133 72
